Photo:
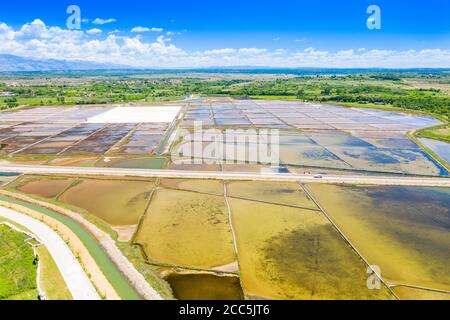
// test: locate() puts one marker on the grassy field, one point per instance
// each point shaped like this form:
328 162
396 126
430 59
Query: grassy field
441 133
51 280
413 91
18 269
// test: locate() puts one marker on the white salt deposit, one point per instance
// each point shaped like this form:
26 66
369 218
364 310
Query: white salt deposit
136 115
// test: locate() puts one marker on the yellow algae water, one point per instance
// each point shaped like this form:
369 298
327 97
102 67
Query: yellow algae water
275 192
403 230
291 253
187 229
203 186
117 202
406 293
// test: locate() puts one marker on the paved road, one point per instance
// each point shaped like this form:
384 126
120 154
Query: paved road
357 179
76 279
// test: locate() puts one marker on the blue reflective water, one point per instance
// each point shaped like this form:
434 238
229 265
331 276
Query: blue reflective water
442 149
5 174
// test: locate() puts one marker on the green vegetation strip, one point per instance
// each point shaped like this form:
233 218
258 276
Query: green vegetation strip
109 269
441 133
17 267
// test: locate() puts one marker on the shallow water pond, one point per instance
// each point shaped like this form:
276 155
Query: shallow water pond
74 162
139 163
403 230
406 293
291 253
43 187
441 148
311 156
409 161
117 202
285 193
187 229
203 186
205 287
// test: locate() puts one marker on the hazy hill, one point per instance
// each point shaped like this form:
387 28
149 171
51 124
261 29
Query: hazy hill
13 63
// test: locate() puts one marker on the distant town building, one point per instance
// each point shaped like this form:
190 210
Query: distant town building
5 94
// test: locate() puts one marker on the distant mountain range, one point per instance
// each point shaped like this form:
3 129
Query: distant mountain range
12 63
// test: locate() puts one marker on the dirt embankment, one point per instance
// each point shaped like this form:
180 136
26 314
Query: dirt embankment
79 250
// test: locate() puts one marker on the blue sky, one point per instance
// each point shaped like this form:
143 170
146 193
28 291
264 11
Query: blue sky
286 26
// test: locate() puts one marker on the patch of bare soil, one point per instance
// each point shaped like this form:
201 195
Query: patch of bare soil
125 233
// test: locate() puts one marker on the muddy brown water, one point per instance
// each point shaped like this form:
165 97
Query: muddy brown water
205 287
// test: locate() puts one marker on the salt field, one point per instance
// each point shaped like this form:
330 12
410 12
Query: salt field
284 114
85 130
312 135
308 135
136 115
269 239
441 148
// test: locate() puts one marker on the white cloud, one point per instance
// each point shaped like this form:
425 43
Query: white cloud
94 31
100 21
280 51
215 52
39 41
145 29
140 29
162 39
252 51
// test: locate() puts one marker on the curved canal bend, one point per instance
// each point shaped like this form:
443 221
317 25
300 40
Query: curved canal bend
112 273
74 276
